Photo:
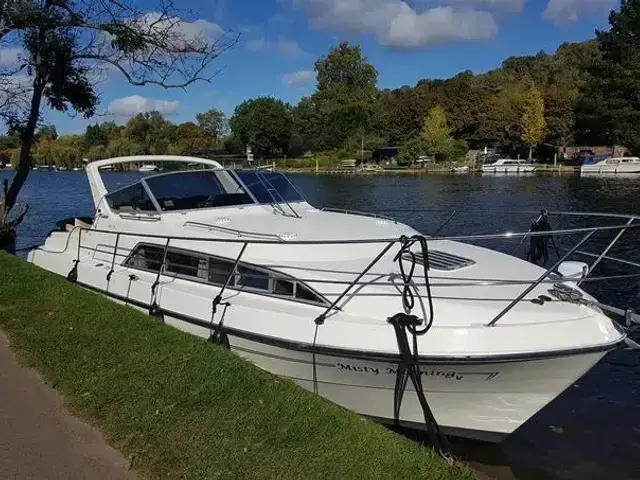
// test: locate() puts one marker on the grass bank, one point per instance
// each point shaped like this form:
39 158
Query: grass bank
181 407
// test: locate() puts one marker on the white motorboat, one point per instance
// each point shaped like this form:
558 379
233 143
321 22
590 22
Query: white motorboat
507 165
149 168
306 294
462 169
616 165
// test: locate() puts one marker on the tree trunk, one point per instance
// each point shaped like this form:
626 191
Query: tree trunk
27 137
530 153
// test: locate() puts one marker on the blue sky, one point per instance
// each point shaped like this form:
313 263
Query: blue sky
406 40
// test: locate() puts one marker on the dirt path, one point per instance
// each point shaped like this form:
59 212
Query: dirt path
39 438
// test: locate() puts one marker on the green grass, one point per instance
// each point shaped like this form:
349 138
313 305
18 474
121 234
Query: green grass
182 407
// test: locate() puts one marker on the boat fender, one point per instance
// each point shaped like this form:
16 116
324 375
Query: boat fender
72 276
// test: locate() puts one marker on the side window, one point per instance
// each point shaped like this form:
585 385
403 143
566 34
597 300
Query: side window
219 271
183 264
252 278
283 287
131 199
303 293
146 257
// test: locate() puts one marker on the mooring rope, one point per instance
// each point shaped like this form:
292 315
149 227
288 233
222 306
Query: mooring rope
404 323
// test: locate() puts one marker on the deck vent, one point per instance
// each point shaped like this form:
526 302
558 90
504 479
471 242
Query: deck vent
439 260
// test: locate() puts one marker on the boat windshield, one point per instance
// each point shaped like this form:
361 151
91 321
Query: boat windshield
269 187
197 189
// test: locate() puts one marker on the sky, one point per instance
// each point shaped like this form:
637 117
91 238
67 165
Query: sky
280 40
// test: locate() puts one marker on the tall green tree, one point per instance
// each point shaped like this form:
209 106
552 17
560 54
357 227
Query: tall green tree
534 124
436 133
212 122
609 109
265 124
345 95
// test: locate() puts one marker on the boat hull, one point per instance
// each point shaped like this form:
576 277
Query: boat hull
508 169
623 168
479 397
483 400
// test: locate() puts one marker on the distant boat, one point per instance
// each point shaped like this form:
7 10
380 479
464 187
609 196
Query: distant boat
149 168
46 168
507 165
611 165
62 169
464 169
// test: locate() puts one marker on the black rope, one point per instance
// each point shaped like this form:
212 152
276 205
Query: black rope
539 245
406 324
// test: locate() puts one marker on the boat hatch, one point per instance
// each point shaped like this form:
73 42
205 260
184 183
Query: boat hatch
439 260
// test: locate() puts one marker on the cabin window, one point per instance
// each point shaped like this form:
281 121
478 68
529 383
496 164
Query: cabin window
217 270
146 257
131 199
303 293
182 264
252 278
283 287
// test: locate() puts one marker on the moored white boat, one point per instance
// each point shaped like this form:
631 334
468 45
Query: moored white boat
149 168
615 165
302 297
506 165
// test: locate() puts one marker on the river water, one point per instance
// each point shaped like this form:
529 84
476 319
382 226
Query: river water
591 431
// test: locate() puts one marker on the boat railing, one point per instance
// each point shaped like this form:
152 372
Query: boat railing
235 231
369 277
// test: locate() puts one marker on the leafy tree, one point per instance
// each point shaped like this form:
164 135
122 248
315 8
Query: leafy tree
66 41
345 94
411 149
534 124
95 135
212 123
609 109
306 126
47 131
265 124
436 134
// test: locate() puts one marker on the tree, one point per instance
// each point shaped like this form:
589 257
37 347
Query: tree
306 126
66 41
345 95
212 122
436 133
533 122
609 108
95 135
265 124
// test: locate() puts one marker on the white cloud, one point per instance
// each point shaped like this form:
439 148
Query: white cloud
286 47
178 32
10 57
397 25
130 106
299 79
509 6
257 44
289 47
560 11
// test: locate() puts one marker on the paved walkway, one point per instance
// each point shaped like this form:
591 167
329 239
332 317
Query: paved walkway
40 439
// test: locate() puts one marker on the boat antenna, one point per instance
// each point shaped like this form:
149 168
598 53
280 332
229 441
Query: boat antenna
405 324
